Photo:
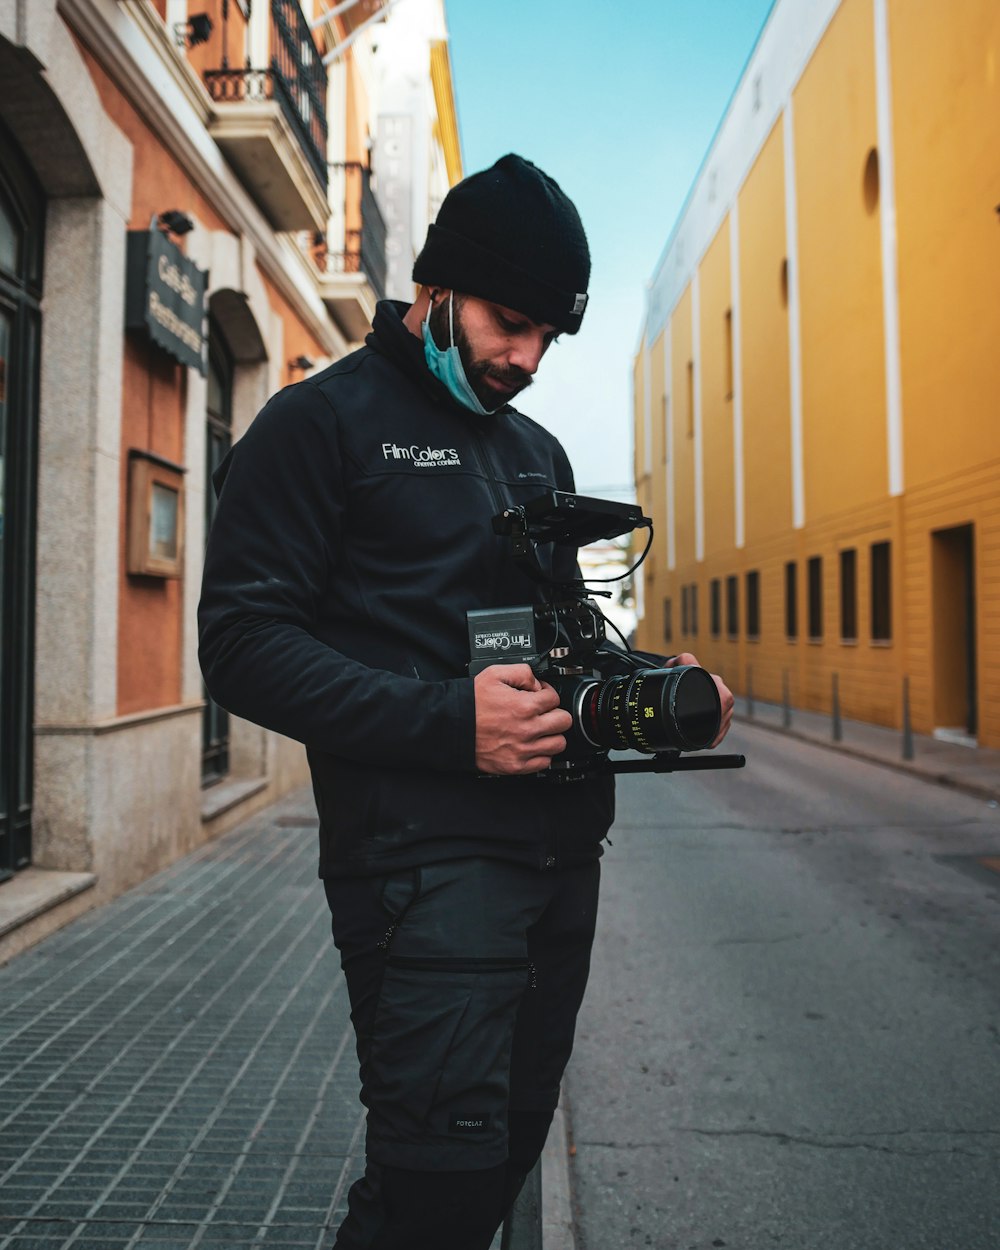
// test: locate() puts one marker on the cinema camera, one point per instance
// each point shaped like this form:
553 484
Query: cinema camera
619 699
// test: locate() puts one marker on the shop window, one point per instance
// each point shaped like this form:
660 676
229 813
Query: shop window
732 607
668 623
881 596
715 607
814 573
753 604
791 600
849 596
694 609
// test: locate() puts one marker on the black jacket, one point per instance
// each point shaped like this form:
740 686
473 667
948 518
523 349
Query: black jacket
352 535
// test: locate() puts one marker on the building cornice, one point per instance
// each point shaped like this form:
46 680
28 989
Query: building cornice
143 65
444 100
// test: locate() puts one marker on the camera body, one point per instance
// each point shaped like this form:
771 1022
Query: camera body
617 700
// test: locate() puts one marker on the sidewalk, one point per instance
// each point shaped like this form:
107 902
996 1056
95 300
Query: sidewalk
973 770
177 1068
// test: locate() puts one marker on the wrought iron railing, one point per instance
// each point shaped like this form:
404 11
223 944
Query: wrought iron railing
296 78
365 231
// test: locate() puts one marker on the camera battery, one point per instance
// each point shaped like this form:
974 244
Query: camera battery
501 636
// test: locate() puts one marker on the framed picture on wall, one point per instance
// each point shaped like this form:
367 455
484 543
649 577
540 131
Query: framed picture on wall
155 542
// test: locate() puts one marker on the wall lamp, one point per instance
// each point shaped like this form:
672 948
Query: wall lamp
175 222
194 31
303 363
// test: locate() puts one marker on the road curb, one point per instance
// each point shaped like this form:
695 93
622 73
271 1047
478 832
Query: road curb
557 1210
933 778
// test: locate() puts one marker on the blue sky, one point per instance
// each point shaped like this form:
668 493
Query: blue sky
618 100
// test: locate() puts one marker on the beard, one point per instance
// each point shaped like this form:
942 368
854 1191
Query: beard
476 370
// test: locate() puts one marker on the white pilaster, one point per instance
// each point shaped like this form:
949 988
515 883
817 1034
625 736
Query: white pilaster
794 324
668 434
699 471
890 275
737 364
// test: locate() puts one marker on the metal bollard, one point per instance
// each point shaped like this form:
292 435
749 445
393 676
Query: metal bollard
835 729
907 727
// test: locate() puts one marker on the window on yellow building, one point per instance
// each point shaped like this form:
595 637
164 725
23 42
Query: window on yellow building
753 604
690 398
732 607
814 577
685 612
728 332
791 601
694 608
715 607
881 558
668 622
849 596
870 181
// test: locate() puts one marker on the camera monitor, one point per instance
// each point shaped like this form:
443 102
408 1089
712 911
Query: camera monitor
571 520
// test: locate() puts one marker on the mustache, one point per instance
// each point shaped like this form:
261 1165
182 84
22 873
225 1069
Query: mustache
507 375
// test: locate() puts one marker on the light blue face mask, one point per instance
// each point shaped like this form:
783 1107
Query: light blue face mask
447 365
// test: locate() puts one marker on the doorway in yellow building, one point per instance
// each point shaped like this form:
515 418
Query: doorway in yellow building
953 588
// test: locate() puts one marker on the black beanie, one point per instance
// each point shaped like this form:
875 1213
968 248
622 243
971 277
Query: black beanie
511 236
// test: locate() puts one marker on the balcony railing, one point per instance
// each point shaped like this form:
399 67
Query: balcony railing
365 231
296 78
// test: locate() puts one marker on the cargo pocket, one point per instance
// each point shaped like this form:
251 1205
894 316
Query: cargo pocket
440 1057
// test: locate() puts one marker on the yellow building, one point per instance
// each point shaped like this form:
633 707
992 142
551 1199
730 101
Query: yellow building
817 382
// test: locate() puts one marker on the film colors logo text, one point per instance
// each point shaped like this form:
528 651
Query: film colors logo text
422 457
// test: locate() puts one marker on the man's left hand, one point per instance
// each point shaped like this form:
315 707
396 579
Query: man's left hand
725 694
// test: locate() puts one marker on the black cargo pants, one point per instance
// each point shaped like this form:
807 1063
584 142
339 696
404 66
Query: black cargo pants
465 979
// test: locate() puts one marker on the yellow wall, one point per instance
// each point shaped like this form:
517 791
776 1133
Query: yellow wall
767 457
715 299
946 95
683 448
843 377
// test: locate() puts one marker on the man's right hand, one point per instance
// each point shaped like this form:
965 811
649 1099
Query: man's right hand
519 723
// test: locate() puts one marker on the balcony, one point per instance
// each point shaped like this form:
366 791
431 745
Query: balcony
271 123
350 258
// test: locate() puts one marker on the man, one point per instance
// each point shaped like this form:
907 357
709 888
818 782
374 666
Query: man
352 536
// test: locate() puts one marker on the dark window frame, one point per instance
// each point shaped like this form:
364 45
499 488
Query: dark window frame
715 607
814 607
732 607
880 556
848 562
751 590
791 600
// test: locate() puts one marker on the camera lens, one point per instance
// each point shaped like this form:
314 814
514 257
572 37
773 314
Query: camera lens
655 709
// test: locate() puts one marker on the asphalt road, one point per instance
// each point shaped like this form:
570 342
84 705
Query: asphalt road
792 1033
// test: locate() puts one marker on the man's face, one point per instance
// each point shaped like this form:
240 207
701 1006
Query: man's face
500 348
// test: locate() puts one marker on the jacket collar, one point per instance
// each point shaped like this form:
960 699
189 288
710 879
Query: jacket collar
391 338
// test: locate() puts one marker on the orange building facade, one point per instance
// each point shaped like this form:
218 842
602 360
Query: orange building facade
816 384
189 220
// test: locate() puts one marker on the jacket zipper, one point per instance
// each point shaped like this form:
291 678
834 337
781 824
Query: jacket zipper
486 465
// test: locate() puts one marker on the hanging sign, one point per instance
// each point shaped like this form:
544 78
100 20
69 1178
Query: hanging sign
165 296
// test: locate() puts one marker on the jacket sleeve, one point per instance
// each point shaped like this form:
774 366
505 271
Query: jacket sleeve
274 543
